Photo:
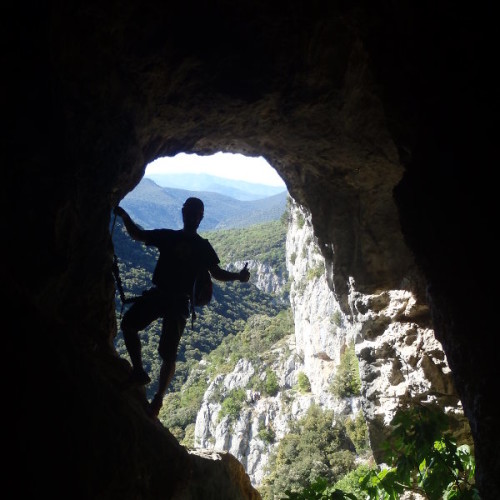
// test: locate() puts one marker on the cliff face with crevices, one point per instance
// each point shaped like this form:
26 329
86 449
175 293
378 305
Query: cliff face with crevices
377 116
400 360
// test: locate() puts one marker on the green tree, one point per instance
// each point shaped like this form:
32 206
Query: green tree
271 384
319 490
266 433
232 404
422 457
315 447
347 381
303 382
357 431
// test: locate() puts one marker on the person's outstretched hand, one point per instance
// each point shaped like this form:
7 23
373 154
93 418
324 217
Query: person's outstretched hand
245 274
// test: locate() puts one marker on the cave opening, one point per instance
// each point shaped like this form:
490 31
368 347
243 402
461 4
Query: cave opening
251 185
190 171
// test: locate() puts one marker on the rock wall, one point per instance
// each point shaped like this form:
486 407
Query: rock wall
306 350
400 362
265 277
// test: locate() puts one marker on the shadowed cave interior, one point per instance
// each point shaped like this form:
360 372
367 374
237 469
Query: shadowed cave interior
378 118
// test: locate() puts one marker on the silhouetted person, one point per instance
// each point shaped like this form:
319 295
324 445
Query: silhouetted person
183 253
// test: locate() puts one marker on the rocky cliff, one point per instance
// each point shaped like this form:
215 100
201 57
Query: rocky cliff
265 277
400 362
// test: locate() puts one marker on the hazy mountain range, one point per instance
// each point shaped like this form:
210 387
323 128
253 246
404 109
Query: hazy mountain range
239 190
153 206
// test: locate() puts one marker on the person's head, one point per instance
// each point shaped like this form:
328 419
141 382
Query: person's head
192 213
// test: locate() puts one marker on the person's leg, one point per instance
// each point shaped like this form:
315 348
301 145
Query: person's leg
172 329
133 345
142 312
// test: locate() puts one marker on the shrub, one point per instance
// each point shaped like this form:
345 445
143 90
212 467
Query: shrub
315 272
336 318
300 220
347 382
303 382
357 431
271 386
232 404
319 489
266 434
188 440
424 458
314 448
350 482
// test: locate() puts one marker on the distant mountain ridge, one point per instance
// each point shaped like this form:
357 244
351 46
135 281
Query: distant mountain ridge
153 206
240 190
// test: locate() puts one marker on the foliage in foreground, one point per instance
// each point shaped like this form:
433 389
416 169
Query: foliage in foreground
423 459
315 447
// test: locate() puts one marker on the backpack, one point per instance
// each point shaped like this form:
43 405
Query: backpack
203 289
202 292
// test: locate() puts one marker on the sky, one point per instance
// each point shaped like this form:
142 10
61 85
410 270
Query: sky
227 165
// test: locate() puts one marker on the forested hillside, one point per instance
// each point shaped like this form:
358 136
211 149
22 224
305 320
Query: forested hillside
262 242
232 304
153 206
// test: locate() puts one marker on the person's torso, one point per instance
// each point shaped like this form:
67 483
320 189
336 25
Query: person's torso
181 257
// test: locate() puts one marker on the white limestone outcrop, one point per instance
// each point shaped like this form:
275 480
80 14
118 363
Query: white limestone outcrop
399 358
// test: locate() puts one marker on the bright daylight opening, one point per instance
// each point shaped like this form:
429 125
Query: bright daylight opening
237 191
227 165
244 315
234 175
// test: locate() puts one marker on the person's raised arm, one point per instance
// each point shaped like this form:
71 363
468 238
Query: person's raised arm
135 232
222 275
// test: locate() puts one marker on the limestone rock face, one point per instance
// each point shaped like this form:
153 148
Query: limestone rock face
378 117
264 277
313 348
321 329
400 362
